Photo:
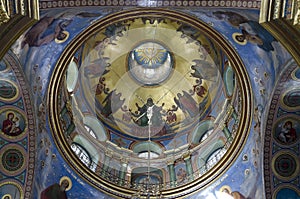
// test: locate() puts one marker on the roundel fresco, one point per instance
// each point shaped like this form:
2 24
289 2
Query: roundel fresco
150 102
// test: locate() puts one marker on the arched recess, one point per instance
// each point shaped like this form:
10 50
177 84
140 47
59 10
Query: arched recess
141 175
72 76
145 147
229 80
96 126
205 154
90 149
201 130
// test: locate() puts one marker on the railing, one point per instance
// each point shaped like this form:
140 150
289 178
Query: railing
113 175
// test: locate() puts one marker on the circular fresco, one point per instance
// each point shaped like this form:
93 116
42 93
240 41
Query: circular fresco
285 192
285 165
291 99
150 110
12 123
287 130
296 74
8 90
3 65
10 190
13 160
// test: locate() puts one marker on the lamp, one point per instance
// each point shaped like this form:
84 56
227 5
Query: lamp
148 189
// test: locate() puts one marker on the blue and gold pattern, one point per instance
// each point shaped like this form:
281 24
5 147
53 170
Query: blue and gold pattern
150 57
17 143
8 90
150 63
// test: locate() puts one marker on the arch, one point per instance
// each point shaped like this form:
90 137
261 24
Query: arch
96 126
90 149
207 152
147 146
81 153
229 80
200 131
139 176
72 76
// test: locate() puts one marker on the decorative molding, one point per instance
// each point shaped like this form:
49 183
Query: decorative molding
24 146
282 20
27 8
250 4
272 150
297 13
11 31
288 10
3 13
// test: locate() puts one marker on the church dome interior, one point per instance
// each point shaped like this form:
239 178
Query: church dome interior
144 102
149 99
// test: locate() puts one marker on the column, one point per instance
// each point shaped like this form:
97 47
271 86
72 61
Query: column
106 161
189 168
122 172
234 115
227 133
172 174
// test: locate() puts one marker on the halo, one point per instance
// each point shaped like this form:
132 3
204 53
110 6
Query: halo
69 180
63 40
6 195
9 112
225 187
239 42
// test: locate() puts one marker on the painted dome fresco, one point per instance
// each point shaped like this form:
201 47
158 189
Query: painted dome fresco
150 101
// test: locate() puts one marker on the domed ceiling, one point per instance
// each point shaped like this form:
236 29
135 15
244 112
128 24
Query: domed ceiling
131 102
150 102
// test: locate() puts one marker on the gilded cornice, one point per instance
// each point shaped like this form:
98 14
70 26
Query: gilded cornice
3 13
16 17
27 8
11 31
282 20
249 4
296 20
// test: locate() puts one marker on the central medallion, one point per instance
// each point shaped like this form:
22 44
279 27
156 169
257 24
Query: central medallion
150 63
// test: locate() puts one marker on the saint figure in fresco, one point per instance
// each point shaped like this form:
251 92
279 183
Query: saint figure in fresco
235 194
256 34
50 28
7 124
45 31
187 104
148 110
181 175
57 191
16 130
112 102
287 134
11 125
251 31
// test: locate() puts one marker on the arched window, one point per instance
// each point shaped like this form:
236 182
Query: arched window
81 153
146 155
72 76
215 157
206 135
90 131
